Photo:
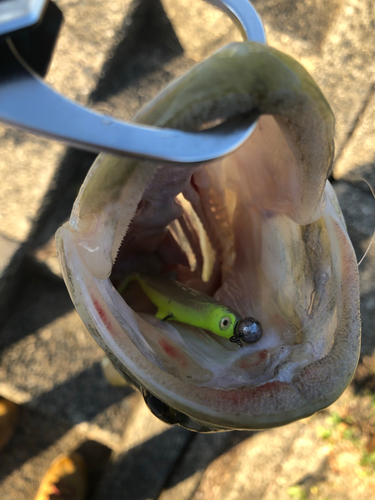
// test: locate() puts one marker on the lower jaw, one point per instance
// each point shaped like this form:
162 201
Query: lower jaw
272 393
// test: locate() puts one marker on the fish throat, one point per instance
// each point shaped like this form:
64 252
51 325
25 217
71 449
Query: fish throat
226 231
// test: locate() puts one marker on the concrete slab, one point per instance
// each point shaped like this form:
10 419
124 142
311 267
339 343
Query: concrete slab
50 362
28 164
11 256
46 257
323 457
36 443
89 31
329 459
87 34
345 74
247 470
358 156
201 28
307 21
304 465
202 450
149 452
146 56
25 459
335 44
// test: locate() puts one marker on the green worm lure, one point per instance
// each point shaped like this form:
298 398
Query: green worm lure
177 302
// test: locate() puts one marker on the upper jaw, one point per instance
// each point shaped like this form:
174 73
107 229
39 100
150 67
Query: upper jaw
279 251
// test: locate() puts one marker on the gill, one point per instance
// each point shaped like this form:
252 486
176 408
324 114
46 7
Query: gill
204 231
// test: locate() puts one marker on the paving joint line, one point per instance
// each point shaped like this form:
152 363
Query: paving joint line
279 466
357 122
177 463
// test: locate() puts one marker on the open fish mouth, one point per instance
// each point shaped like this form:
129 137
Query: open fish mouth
261 231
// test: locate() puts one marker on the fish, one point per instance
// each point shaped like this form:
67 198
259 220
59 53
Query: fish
260 231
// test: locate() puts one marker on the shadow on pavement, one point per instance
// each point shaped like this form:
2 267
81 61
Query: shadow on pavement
138 473
147 42
39 301
81 398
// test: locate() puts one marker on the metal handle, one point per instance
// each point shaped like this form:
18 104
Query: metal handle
28 103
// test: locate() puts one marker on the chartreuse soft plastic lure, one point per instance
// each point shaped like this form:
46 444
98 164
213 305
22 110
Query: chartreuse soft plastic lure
177 302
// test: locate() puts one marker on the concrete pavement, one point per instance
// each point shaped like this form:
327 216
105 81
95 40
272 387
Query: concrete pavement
116 56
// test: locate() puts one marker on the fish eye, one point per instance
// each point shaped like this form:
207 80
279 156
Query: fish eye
225 323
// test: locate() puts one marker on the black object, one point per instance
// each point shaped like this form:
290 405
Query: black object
170 416
247 330
35 43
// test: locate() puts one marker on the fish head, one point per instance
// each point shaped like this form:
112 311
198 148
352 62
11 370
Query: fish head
259 230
